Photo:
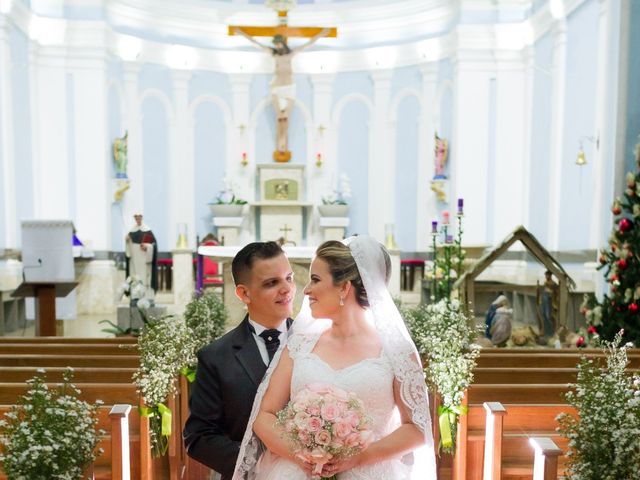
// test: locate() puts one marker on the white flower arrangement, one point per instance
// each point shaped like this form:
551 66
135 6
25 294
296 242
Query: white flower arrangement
227 195
205 316
166 347
603 438
50 434
340 193
444 335
132 288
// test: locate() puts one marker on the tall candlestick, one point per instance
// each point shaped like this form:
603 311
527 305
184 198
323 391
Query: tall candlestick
434 226
460 205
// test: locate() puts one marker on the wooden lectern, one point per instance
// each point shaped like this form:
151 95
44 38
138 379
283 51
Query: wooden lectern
45 294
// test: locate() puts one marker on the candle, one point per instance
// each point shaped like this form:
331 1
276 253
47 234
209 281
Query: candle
445 218
449 239
434 226
460 205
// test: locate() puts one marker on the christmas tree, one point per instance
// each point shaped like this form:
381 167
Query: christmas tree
619 309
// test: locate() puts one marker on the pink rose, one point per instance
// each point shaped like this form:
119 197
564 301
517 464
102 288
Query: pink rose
314 424
313 409
352 440
342 428
323 437
352 418
330 411
301 420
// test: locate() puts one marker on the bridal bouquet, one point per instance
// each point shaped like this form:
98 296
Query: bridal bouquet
323 422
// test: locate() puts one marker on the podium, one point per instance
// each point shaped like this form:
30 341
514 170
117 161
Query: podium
45 294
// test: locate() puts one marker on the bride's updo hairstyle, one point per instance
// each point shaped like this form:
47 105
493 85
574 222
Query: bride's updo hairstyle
343 267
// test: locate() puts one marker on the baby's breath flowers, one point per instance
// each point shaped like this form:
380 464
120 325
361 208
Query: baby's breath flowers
444 336
49 433
603 437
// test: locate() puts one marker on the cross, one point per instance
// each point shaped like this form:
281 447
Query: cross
286 230
282 85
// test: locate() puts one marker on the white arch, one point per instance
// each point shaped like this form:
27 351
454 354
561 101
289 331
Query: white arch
265 102
214 99
442 88
164 99
352 97
400 96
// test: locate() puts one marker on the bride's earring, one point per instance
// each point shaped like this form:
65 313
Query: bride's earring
341 302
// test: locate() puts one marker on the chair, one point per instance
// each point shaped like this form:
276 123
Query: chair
211 272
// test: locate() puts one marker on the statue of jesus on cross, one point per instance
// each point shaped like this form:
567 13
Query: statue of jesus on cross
282 84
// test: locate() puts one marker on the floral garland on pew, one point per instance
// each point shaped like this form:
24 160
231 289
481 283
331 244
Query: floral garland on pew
444 336
168 348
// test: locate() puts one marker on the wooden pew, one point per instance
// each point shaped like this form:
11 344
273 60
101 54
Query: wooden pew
75 361
540 360
91 349
70 340
81 375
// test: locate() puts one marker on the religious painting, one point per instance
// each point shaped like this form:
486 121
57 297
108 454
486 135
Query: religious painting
281 189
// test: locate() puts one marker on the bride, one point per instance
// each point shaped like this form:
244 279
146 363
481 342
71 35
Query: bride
349 334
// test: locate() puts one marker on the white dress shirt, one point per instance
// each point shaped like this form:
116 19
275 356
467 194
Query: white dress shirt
262 347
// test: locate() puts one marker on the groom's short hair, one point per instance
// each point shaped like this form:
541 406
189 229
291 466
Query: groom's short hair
245 258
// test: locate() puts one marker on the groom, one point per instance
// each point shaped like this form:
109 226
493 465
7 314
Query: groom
231 367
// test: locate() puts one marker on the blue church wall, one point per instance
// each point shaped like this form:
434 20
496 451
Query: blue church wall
576 194
155 76
540 171
353 155
352 82
407 138
633 88
210 151
155 161
210 83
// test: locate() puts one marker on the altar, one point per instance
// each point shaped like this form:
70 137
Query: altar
300 260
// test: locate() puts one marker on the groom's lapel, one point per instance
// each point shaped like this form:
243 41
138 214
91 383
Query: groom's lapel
248 355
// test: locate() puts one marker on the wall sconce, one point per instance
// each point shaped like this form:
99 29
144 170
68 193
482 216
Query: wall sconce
581 159
318 159
244 162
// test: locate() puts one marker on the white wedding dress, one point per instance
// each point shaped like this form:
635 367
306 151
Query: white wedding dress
372 380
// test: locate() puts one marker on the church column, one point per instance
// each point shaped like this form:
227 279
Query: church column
181 167
525 184
557 132
427 209
381 168
6 137
239 137
134 197
469 157
50 121
90 149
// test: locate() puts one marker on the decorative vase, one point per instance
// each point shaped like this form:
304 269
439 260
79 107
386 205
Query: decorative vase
226 210
333 210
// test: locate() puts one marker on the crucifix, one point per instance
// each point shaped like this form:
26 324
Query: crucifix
285 231
282 85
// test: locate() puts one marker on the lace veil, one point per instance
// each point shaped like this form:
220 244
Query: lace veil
397 345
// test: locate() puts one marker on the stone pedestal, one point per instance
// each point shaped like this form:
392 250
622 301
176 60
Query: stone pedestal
228 229
130 317
333 228
96 290
183 282
281 220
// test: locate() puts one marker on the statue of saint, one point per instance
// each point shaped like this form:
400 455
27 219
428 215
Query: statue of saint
120 155
141 252
441 151
548 301
282 86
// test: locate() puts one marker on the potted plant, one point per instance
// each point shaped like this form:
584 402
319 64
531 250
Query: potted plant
227 204
335 203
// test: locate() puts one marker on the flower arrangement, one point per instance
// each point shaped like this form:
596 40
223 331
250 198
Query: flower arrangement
227 195
132 288
323 422
50 433
205 316
340 193
603 438
166 347
444 335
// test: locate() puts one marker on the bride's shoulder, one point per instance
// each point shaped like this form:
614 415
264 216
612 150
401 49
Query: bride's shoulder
302 343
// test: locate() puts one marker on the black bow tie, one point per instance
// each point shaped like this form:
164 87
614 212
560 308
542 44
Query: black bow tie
272 341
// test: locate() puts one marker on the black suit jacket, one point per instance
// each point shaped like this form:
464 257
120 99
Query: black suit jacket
227 378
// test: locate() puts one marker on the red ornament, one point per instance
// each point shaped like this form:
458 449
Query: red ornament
613 278
580 341
613 247
616 210
592 330
625 225
622 264
633 308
